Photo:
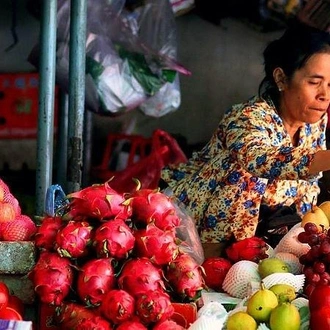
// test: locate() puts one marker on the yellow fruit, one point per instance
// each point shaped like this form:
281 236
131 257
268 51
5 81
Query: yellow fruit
285 316
261 303
317 216
325 207
272 265
241 321
283 292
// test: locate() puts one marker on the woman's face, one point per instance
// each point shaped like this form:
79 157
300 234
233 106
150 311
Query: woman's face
306 96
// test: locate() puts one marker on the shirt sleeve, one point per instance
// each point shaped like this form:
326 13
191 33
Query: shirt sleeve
258 141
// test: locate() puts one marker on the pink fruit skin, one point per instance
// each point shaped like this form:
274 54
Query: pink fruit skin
98 201
95 279
46 233
154 306
114 239
73 239
118 306
152 206
52 277
157 245
139 275
185 277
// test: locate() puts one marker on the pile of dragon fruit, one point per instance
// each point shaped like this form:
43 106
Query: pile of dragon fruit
115 261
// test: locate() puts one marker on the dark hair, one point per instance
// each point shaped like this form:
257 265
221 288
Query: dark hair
291 52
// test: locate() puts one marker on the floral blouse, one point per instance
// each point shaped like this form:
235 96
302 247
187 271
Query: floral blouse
249 161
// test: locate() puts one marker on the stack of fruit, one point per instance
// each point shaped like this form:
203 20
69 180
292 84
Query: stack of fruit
270 295
14 226
296 270
118 261
316 235
115 260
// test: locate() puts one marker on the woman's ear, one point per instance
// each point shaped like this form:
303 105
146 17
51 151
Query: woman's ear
279 78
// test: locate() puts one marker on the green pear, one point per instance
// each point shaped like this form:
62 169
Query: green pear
241 321
285 316
284 292
261 303
272 265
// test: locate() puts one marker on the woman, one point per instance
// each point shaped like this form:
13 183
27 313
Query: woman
269 151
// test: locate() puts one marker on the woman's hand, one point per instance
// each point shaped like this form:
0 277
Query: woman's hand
320 162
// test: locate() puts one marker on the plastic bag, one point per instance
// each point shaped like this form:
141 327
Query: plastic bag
130 57
164 150
187 231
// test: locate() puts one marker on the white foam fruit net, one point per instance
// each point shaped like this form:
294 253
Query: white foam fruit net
297 281
289 243
238 279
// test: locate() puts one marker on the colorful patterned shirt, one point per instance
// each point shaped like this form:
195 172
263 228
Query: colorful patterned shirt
250 160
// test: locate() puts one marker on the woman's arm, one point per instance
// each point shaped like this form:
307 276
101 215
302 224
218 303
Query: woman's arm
320 162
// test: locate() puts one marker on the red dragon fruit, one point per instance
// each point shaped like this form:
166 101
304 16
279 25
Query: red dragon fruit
154 306
94 323
69 315
52 277
252 249
114 239
96 277
131 325
73 240
47 231
185 277
215 270
98 201
152 206
118 306
139 275
168 325
157 245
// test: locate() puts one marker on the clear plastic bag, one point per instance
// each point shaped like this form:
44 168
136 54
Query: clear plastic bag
187 231
130 57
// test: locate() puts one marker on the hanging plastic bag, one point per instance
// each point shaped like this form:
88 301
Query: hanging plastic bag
130 57
164 150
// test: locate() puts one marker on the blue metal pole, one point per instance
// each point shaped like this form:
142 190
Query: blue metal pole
46 103
76 92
